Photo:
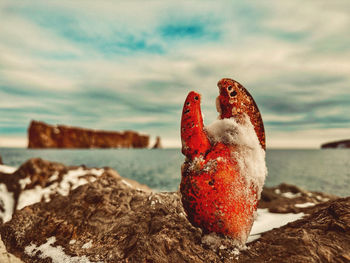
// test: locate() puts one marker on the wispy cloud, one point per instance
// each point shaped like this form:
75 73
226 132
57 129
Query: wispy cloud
112 65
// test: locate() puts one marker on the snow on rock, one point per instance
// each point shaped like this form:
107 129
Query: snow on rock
122 225
7 169
24 182
70 181
266 221
55 253
284 197
38 180
87 245
291 195
249 154
6 203
308 204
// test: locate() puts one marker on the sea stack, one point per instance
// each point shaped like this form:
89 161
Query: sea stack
158 144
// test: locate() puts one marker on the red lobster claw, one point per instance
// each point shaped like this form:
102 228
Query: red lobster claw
214 191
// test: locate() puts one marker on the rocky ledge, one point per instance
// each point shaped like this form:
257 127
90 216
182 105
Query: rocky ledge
337 144
42 135
101 217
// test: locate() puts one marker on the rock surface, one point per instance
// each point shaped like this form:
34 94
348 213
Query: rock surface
286 198
0 160
109 220
324 236
337 144
6 257
39 180
42 135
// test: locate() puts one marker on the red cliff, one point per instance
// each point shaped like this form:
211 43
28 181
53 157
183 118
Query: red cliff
42 135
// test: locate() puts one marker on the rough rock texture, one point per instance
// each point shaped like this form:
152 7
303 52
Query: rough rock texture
42 135
337 144
324 236
286 198
158 144
110 220
40 180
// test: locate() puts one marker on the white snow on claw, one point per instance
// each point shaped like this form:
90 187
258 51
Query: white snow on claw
248 152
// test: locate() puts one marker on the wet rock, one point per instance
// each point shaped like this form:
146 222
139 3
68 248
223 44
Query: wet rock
42 135
323 236
286 198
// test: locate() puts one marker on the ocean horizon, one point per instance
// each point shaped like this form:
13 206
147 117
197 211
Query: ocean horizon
326 170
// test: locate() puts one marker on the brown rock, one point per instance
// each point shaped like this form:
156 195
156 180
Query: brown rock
42 135
323 236
337 144
39 180
108 221
158 144
286 198
1 160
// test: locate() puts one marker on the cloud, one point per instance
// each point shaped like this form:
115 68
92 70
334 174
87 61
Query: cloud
112 65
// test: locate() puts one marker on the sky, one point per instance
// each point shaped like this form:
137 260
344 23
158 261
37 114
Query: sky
117 65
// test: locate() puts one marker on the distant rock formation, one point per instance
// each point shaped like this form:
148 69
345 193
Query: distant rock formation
158 144
336 144
42 135
108 219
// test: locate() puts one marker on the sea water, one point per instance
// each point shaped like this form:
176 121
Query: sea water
318 170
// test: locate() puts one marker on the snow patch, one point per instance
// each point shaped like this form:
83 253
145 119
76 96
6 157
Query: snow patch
24 182
70 181
307 204
7 169
57 255
87 245
266 221
54 177
291 195
6 202
322 199
35 195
